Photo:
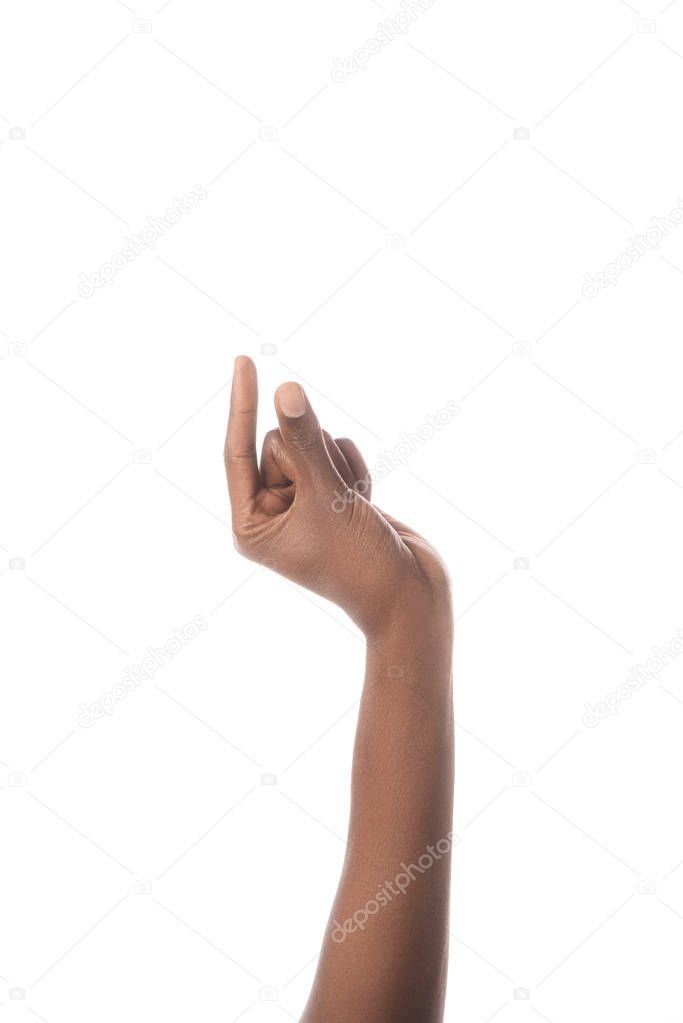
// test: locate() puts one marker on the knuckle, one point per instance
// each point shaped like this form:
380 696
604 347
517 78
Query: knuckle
304 441
241 539
233 454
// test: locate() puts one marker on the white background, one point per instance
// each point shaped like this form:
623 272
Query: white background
397 244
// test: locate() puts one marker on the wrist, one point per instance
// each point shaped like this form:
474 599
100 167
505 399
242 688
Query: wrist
414 624
409 658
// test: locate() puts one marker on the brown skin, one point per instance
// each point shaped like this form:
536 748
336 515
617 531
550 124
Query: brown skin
306 513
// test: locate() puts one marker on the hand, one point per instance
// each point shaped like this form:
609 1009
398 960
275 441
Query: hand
306 513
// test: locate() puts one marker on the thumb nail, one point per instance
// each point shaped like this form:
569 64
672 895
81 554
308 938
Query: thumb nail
292 400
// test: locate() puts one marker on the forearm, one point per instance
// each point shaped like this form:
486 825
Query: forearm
384 954
388 965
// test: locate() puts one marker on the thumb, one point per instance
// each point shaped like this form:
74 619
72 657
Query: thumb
302 435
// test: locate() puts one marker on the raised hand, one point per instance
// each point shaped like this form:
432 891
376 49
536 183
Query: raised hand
306 512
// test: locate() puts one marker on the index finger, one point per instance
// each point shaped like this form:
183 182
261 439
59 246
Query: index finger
240 444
